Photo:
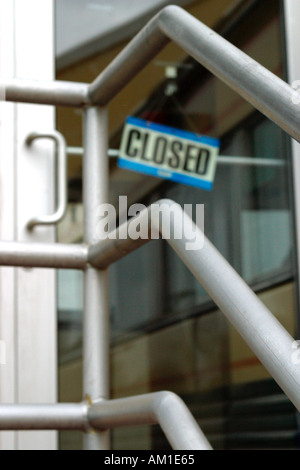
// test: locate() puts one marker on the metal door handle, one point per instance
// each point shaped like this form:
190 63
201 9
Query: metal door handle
61 186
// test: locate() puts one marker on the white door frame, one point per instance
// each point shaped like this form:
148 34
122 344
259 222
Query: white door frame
27 296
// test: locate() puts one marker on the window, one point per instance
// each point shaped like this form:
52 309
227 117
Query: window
248 212
248 217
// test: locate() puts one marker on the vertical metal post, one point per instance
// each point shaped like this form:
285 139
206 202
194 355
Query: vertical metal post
96 308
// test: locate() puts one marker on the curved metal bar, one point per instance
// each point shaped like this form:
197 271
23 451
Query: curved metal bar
62 179
269 340
163 408
264 90
43 255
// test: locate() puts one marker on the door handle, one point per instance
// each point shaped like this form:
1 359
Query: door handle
61 185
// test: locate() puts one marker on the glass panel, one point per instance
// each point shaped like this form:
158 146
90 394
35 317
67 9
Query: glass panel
266 231
136 289
70 305
166 332
248 205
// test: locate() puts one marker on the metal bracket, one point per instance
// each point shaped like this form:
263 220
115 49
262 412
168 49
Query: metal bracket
62 179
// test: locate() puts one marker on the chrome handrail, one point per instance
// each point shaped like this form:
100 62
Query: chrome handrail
163 408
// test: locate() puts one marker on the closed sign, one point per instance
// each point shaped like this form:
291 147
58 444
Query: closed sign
169 153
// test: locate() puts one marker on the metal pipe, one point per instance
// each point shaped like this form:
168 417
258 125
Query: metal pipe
250 161
221 159
44 417
134 57
56 93
105 252
260 87
79 151
264 90
75 151
62 175
43 255
164 408
96 334
272 344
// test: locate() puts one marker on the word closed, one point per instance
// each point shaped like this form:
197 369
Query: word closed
168 153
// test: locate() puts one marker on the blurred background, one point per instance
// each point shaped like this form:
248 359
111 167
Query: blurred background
166 332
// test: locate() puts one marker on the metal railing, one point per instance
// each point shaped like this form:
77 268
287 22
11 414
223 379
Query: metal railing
260 329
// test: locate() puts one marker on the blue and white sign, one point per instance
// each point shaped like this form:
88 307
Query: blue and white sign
166 152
